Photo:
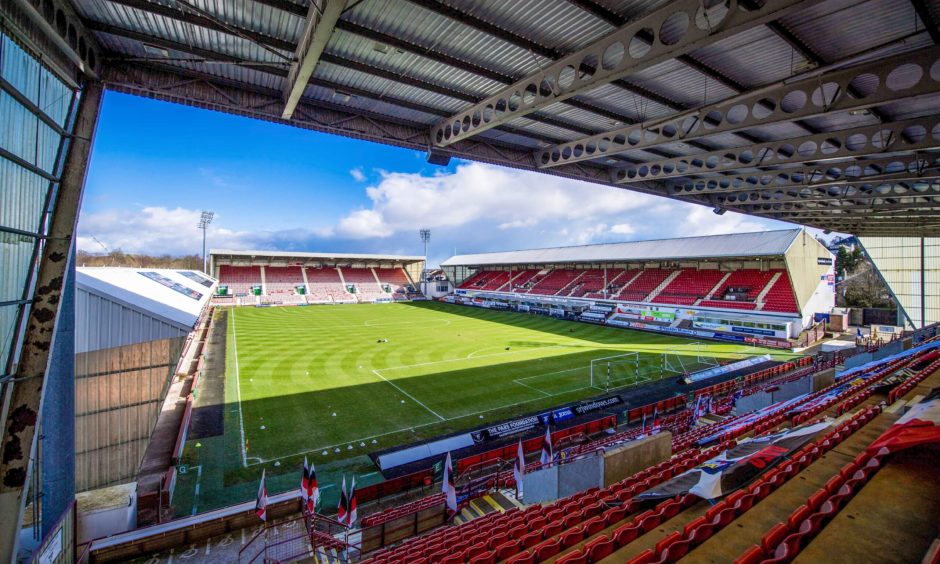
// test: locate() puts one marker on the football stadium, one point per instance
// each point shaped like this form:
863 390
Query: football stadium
704 398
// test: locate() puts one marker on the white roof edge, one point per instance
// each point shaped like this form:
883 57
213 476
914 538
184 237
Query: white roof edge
298 254
713 246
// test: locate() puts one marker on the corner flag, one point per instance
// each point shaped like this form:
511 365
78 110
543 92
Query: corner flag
261 504
448 486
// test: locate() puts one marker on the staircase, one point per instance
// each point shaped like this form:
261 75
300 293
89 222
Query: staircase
342 279
303 272
763 293
720 283
566 290
495 501
377 281
652 295
625 284
264 285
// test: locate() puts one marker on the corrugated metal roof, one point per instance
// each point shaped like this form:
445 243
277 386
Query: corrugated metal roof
758 244
170 294
315 256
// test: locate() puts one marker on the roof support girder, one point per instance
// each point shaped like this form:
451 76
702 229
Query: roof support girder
848 192
317 31
816 94
905 135
874 171
633 47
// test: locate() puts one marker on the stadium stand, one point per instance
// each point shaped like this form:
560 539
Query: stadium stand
240 279
367 287
689 286
802 493
780 296
280 284
554 282
396 279
642 285
325 286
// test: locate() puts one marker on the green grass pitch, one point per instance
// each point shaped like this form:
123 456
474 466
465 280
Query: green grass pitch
444 368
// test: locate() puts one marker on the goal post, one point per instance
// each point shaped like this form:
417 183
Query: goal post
693 359
615 371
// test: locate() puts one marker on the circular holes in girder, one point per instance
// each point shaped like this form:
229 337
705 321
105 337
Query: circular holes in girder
72 37
487 113
655 170
830 146
711 14
514 101
546 87
807 149
566 77
556 155
696 163
466 123
935 70
764 107
904 77
825 95
914 134
578 150
439 136
641 43
669 130
793 101
590 147
682 166
631 172
544 158
935 131
737 114
620 139
785 151
61 23
635 136
883 139
613 56
530 94
856 142
712 119
673 28
864 85
643 171
587 67
566 153
745 157
711 161
669 167
447 132
48 11
501 105
477 118
604 145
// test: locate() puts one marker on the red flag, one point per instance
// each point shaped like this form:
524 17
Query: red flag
920 425
309 490
448 486
656 426
342 508
261 504
351 514
518 469
546 457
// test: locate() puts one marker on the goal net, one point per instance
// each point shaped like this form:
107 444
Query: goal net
616 371
696 357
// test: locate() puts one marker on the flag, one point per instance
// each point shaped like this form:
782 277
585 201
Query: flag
919 426
736 467
858 332
696 411
546 457
643 428
309 489
448 486
518 469
352 515
342 507
261 504
656 427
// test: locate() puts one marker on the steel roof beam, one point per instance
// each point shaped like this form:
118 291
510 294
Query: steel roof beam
285 5
900 136
814 95
318 29
634 47
848 192
932 26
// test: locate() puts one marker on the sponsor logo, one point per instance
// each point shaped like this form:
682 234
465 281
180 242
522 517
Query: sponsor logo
827 261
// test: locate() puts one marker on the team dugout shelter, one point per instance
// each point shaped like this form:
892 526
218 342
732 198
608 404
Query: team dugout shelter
759 286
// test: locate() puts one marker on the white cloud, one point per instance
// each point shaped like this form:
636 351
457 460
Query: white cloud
475 208
357 174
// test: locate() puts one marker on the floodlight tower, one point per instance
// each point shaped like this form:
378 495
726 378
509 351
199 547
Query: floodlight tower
425 238
204 220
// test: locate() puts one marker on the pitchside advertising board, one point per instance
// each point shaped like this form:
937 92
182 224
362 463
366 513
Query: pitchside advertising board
697 333
646 314
525 424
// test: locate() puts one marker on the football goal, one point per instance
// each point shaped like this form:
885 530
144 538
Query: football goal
692 359
616 371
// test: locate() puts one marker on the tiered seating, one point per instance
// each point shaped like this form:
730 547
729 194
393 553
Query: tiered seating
396 279
325 286
239 279
645 283
478 280
616 278
496 281
402 510
367 288
590 281
521 279
751 278
689 286
780 297
282 280
554 282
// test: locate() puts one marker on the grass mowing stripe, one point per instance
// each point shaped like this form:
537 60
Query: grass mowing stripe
238 391
436 414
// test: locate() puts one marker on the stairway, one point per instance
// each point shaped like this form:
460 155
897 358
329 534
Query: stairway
720 283
570 287
652 295
763 293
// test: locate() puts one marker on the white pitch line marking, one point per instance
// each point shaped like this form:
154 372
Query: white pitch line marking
238 391
434 413
533 388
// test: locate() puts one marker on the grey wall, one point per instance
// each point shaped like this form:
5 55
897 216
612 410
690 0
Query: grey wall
580 475
541 485
762 399
101 323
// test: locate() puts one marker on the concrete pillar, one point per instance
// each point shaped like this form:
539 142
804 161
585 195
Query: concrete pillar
26 396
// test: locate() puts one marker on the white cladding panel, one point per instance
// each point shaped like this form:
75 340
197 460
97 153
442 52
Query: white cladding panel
911 268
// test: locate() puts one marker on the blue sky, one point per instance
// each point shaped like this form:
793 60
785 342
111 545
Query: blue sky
155 165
